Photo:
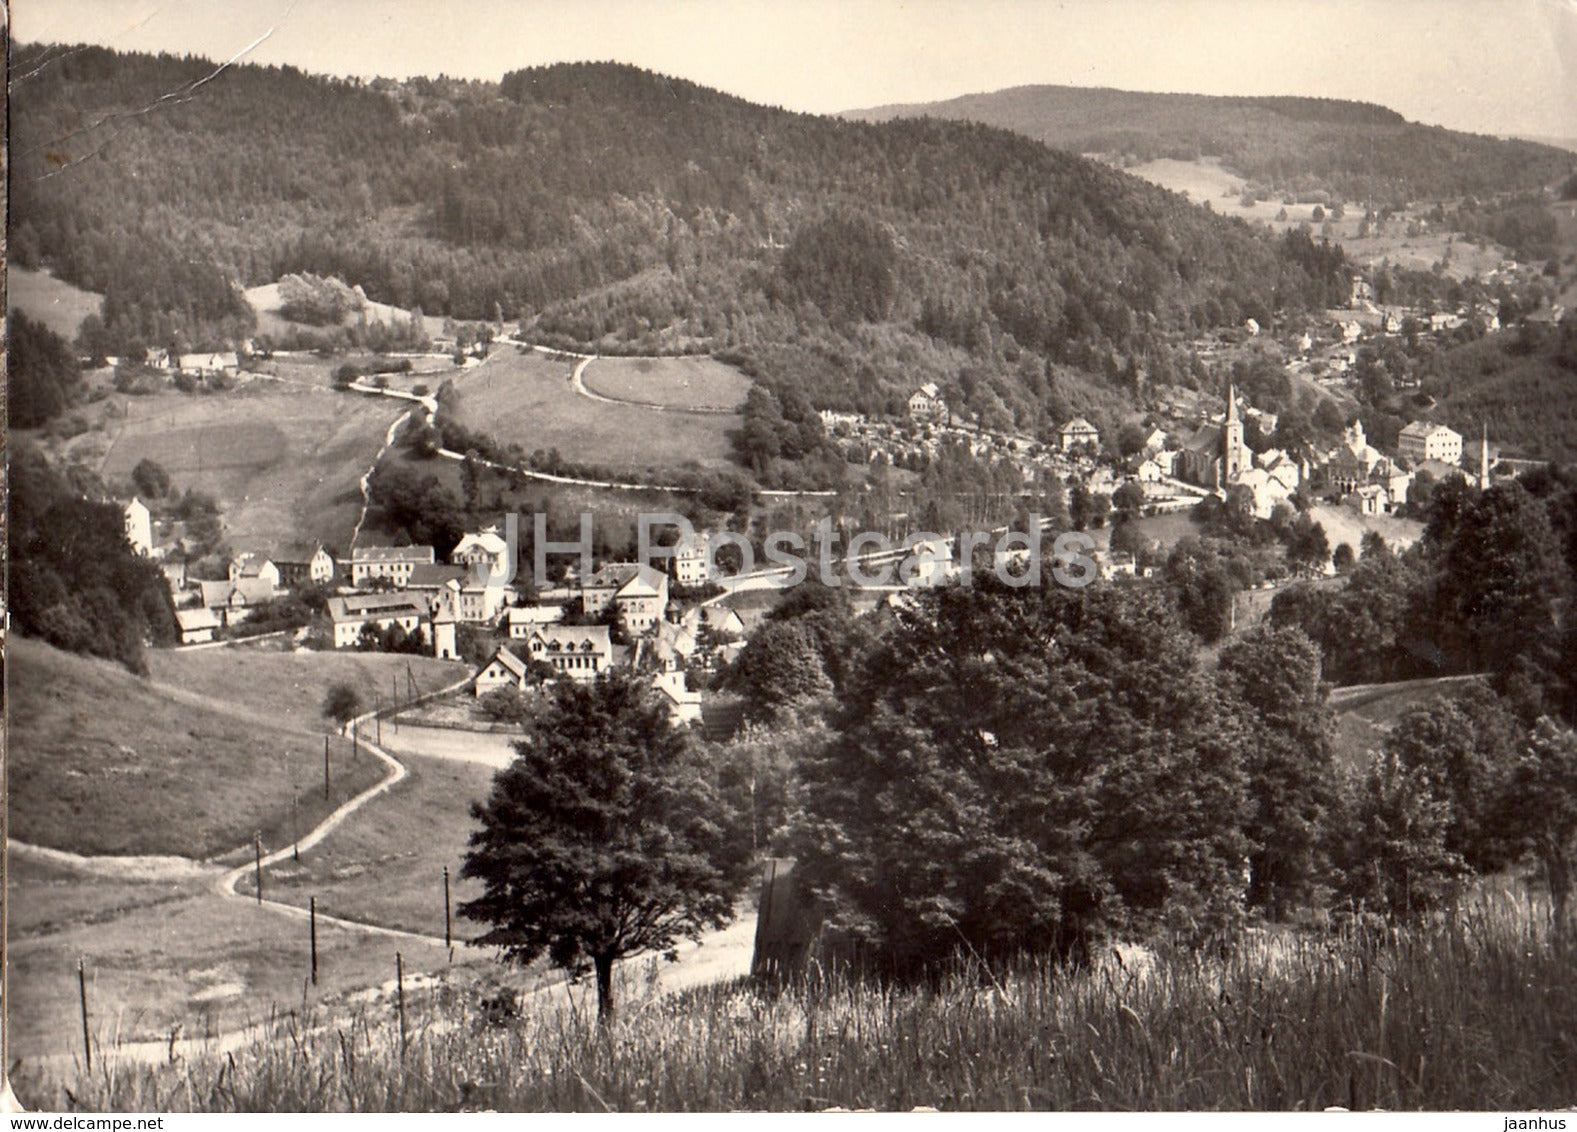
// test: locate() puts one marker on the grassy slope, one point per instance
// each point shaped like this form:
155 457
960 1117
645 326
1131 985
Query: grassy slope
526 399
58 305
682 383
289 686
285 461
385 865
102 762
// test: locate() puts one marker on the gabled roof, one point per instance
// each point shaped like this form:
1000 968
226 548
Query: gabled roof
300 553
250 563
391 554
252 591
199 618
1206 437
929 389
509 660
363 607
629 579
564 639
1079 424
429 575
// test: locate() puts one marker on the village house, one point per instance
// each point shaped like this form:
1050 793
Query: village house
1370 499
302 564
674 643
1078 432
207 363
254 564
717 620
637 591
352 613
689 560
1422 440
522 620
139 526
503 670
484 550
371 563
926 404
233 602
684 706
197 625
581 652
1154 441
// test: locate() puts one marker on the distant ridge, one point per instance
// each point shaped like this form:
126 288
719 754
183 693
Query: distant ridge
1352 150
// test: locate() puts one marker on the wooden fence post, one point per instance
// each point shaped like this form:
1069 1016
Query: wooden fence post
325 768
82 988
312 912
257 856
399 982
448 920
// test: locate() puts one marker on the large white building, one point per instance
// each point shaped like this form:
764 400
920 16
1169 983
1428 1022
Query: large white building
1422 441
370 563
139 526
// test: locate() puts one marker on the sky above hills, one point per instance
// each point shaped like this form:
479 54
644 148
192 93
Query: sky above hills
1490 66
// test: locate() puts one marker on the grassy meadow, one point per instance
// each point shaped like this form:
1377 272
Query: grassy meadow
385 864
525 398
284 461
57 304
1471 1013
103 762
676 383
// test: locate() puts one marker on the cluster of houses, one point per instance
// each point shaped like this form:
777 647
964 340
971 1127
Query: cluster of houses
563 632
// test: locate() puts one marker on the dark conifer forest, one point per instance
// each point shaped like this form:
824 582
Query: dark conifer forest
607 206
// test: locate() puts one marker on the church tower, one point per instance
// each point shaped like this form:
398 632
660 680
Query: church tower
1232 447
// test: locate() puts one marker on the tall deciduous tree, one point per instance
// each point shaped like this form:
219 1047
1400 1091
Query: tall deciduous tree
604 838
1021 770
1276 672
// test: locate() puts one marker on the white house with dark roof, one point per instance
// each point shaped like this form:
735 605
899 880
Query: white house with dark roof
638 591
1424 440
351 613
304 563
926 404
581 652
503 670
371 563
523 620
1079 431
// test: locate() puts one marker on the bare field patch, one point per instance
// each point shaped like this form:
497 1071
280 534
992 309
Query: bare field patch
676 383
526 398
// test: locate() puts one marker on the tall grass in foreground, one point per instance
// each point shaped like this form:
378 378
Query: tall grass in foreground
1476 1013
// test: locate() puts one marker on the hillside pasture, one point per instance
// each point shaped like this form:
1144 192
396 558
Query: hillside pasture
103 762
55 303
526 398
284 462
385 864
265 302
694 383
288 687
166 955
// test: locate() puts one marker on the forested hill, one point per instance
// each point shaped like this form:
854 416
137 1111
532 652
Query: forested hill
613 207
1351 150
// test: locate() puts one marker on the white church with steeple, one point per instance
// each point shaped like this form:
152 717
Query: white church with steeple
1217 457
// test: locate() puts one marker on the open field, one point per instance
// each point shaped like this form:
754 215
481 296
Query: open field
170 954
1206 180
284 461
265 301
58 305
385 864
1343 524
526 399
102 762
288 687
677 383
